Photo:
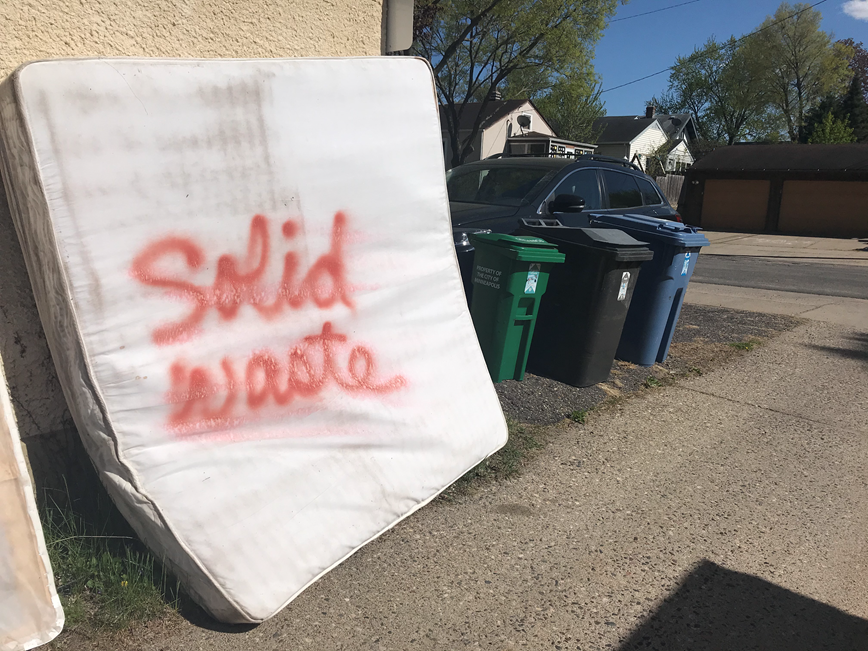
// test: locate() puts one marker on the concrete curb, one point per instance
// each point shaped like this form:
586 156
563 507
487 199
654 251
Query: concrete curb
851 312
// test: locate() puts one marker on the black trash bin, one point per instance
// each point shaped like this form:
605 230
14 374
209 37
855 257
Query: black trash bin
580 321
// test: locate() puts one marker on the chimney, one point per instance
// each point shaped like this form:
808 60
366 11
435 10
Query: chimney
650 111
495 95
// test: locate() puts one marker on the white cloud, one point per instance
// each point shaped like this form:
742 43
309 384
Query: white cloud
858 9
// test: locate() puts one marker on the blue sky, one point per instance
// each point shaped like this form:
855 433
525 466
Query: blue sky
640 46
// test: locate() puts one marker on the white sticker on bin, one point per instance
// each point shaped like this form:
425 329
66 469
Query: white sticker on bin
625 281
686 264
532 279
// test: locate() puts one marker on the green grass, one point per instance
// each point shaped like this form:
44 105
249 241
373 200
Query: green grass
580 416
748 345
104 581
652 382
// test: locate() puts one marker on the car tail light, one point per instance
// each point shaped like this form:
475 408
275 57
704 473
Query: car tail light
678 218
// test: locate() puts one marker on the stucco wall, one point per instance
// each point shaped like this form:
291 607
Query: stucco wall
43 29
47 29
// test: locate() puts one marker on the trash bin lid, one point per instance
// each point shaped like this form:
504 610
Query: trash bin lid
654 229
607 238
512 241
520 247
613 240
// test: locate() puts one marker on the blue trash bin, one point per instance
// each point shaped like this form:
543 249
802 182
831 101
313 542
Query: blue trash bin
660 287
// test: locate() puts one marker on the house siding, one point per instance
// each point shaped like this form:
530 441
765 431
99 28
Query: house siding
462 136
646 142
494 137
679 157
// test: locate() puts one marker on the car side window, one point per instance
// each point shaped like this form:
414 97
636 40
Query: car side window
649 193
582 183
622 190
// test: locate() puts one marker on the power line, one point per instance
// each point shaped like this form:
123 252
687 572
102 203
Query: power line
700 54
655 11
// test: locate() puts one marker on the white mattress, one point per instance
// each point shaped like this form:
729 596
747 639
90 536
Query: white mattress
30 612
246 275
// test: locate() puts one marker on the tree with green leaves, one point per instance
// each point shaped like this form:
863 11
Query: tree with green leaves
850 110
574 104
832 131
801 63
478 46
854 106
858 63
721 84
829 105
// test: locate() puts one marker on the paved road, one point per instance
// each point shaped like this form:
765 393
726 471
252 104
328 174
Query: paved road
783 275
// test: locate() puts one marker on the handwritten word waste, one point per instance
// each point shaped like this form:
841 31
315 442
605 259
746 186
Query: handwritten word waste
204 398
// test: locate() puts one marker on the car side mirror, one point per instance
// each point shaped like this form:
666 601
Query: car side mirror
567 203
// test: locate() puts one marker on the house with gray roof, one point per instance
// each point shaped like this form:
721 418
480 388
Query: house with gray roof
637 138
512 127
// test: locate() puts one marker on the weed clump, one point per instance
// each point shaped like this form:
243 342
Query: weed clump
104 581
580 416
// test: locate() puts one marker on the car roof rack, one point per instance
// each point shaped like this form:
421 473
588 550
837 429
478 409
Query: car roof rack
594 157
610 159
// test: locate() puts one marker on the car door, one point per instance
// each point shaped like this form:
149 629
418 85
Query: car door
628 193
583 183
621 193
655 203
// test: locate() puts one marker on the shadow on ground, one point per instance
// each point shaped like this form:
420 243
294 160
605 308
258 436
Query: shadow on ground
719 609
857 347
194 614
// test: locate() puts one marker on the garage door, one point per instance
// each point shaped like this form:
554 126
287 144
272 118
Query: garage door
736 205
832 208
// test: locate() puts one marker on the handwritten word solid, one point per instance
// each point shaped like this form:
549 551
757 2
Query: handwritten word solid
240 283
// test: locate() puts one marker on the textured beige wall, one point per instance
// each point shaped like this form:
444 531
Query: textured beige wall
45 29
48 29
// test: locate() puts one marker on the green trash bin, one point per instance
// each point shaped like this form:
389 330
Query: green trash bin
510 274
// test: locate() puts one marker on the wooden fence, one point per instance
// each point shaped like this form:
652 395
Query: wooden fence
671 186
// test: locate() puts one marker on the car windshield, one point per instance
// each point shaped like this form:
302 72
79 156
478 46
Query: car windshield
495 185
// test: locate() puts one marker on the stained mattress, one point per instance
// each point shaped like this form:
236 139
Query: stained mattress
30 612
246 276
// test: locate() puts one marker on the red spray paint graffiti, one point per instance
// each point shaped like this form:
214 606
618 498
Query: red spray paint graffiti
304 372
241 283
205 399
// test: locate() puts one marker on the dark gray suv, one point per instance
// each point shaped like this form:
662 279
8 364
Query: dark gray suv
495 194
